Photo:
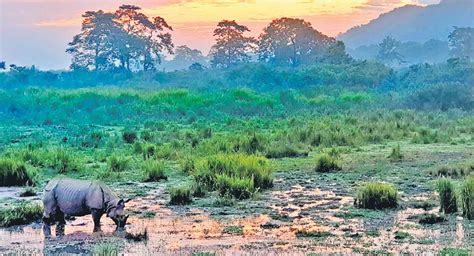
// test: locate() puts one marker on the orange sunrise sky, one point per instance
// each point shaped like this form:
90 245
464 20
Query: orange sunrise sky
37 31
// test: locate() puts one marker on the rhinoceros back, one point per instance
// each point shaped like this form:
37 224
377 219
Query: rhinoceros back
76 197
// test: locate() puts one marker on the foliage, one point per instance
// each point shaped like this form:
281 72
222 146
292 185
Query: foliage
453 252
154 170
13 172
388 51
376 195
461 41
180 195
447 196
117 163
231 46
326 163
23 213
467 197
129 137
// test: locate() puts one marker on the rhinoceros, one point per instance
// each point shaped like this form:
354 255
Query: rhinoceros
71 197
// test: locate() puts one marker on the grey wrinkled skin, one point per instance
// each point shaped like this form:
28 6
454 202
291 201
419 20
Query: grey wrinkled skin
71 197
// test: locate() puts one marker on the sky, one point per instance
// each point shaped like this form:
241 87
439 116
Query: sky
36 32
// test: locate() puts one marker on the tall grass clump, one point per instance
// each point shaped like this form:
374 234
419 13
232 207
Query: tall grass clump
377 195
239 188
129 137
154 170
13 172
23 213
239 166
63 161
106 249
326 163
467 197
447 196
396 154
180 195
117 163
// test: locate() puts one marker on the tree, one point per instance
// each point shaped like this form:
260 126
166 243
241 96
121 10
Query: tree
231 47
184 54
97 45
127 39
461 42
293 42
146 37
388 51
196 67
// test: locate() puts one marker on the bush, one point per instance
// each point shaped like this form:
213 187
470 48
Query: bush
376 195
467 197
234 166
447 196
117 163
239 188
13 172
154 170
281 151
148 150
188 165
22 214
180 195
454 252
326 163
129 136
63 161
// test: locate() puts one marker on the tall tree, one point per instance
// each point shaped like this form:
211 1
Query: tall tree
389 51
147 37
461 42
98 43
293 42
126 38
232 46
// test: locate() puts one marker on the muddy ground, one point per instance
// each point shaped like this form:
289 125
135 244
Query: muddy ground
303 213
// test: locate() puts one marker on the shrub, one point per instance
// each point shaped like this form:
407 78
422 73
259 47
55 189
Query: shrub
239 188
198 190
63 161
281 151
326 163
376 195
180 195
467 197
148 150
21 214
447 196
233 167
188 165
106 249
129 136
117 163
396 154
13 172
154 170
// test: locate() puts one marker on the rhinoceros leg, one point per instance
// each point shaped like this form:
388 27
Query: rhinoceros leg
96 215
59 217
50 207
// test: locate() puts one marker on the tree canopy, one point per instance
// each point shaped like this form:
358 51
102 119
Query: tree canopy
232 46
126 39
461 42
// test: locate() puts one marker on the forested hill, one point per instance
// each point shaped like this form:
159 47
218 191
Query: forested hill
413 23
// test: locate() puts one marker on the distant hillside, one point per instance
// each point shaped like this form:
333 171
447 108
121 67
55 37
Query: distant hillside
413 23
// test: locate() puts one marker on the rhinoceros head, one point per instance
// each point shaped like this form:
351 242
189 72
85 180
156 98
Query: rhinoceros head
117 213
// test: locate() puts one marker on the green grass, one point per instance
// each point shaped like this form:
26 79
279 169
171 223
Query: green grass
234 175
447 196
454 252
154 170
376 195
396 154
313 234
106 249
467 197
234 230
13 172
326 163
180 195
23 213
117 163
